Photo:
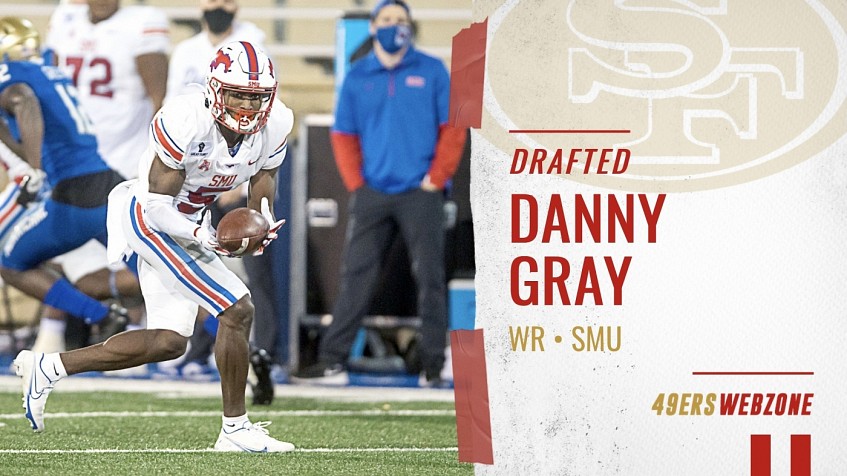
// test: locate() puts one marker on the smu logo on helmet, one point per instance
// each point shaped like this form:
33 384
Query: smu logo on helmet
710 98
221 58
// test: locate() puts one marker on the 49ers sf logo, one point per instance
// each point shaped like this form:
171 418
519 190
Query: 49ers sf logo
711 95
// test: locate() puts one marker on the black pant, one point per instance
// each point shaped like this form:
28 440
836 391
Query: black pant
374 218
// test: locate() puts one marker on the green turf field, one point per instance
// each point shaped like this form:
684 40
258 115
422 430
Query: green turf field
132 433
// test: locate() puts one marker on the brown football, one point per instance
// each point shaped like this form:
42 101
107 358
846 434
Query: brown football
242 231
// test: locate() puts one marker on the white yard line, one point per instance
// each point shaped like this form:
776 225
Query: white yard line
210 450
269 413
177 388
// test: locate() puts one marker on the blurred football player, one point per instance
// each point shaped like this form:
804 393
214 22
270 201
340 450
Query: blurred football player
35 98
200 146
117 58
85 267
188 63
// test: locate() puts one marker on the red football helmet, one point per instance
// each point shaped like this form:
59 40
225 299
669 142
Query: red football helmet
240 87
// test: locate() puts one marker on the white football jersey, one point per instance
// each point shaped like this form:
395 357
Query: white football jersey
190 59
100 58
185 136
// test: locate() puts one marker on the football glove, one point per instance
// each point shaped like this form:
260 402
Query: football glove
30 182
206 235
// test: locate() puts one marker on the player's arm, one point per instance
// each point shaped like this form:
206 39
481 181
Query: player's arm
262 185
10 148
260 197
20 101
153 69
165 180
164 185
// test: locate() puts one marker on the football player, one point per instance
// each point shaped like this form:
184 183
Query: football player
201 145
35 98
186 70
117 58
85 267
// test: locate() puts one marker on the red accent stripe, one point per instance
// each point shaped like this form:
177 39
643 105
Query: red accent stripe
252 61
467 75
470 389
163 139
188 208
155 30
569 131
9 211
752 373
760 455
180 265
801 455
280 146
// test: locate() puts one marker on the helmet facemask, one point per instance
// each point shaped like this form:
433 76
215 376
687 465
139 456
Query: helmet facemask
241 87
229 106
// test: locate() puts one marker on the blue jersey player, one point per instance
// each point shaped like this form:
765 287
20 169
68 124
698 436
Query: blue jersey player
56 141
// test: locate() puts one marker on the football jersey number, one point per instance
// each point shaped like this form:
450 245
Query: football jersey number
200 198
68 94
100 86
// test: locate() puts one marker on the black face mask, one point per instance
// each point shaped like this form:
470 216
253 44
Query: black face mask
218 20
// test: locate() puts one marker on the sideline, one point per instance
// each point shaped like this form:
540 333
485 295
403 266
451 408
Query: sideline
253 412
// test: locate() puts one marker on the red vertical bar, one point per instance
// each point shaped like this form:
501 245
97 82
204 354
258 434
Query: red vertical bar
470 389
467 75
801 455
760 455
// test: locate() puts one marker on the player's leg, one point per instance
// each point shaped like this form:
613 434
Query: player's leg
170 322
41 234
200 276
125 350
170 317
89 271
231 354
51 331
421 218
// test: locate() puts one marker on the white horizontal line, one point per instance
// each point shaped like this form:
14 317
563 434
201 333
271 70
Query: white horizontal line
210 450
181 388
295 413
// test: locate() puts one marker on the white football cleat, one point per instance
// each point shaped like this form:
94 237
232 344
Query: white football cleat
250 438
37 384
